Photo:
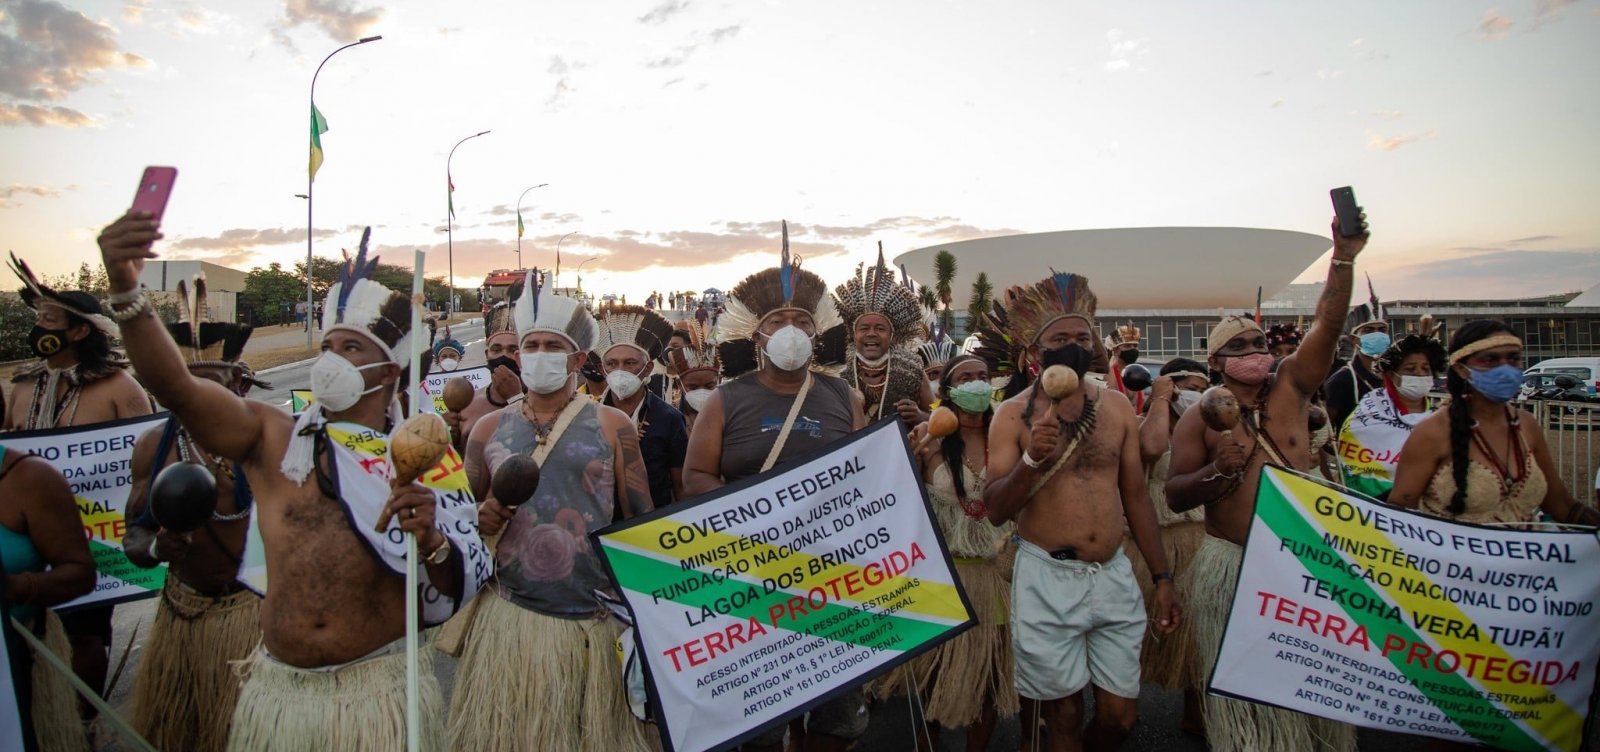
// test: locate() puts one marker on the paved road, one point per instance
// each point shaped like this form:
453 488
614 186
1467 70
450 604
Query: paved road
298 376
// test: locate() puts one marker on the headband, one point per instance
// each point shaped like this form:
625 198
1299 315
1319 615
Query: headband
1487 343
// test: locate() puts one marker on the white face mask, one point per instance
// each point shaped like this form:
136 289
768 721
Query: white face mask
1414 387
789 348
696 398
449 364
623 383
545 372
336 383
1185 399
933 385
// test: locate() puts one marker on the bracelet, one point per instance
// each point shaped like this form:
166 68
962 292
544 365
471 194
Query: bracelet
1218 474
124 315
1159 576
1336 261
441 554
1027 459
126 296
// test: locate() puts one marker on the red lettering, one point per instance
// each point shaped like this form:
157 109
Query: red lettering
1494 669
692 650
673 654
1266 600
1309 617
775 612
1334 627
917 554
796 605
1391 643
873 574
1418 652
811 598
1285 611
1360 636
852 583
715 643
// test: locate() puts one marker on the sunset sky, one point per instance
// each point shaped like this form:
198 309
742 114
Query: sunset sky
674 135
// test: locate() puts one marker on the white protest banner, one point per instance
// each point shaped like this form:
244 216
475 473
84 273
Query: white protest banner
97 461
433 385
765 598
1386 618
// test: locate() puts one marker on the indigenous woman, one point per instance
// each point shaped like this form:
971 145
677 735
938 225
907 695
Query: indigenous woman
1482 459
46 562
966 681
1371 438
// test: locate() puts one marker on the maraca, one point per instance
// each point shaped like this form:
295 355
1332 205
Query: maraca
1220 411
183 496
1316 418
417 445
513 485
1058 383
1136 378
941 423
457 394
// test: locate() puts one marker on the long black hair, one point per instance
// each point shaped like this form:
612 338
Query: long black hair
93 351
1460 412
953 448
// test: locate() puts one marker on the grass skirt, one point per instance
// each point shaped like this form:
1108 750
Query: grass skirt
1168 659
530 681
357 707
184 695
56 724
1235 725
960 676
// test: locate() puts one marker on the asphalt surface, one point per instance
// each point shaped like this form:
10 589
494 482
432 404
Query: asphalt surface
891 726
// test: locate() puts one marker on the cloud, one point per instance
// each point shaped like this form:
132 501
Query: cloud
1494 26
48 50
1124 50
1387 114
339 19
1391 143
1500 272
1531 239
682 54
133 12
7 192
1548 11
724 34
664 11
248 240
28 114
563 70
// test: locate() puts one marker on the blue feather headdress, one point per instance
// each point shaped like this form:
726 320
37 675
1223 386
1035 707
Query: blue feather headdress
1032 308
540 309
359 304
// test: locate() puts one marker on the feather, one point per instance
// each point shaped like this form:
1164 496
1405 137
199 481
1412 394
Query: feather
785 267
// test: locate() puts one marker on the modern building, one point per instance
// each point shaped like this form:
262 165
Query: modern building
223 284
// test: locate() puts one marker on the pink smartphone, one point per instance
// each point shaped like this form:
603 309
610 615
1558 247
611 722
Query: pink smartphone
154 189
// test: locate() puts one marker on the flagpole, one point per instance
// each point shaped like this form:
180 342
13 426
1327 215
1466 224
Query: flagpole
519 224
311 178
449 228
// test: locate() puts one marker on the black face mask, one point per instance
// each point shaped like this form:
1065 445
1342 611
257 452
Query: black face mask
504 360
1074 356
1129 357
46 342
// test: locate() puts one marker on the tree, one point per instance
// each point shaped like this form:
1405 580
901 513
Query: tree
944 274
978 304
270 294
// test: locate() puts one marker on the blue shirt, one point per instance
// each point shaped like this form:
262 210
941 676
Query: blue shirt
663 440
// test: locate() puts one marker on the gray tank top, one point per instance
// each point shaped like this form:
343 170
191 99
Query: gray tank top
753 415
544 561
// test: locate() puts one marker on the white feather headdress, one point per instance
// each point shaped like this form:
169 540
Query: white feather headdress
357 303
539 309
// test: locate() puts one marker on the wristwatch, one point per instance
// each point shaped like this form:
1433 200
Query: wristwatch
441 554
1156 578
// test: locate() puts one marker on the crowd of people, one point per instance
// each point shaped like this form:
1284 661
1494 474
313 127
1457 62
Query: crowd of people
1098 537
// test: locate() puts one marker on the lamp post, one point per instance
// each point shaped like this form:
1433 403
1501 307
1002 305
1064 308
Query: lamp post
449 228
311 178
519 224
558 255
580 275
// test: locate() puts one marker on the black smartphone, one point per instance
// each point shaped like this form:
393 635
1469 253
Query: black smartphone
1345 208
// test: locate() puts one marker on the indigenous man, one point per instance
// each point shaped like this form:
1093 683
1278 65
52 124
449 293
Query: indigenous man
1122 349
664 382
934 354
1076 613
698 368
184 693
750 424
886 324
541 634
1283 340
78 380
1349 384
632 338
502 356
447 352
1222 476
330 673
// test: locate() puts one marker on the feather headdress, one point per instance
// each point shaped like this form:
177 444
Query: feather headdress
637 326
499 319
1284 334
1030 309
785 287
357 303
875 290
78 303
700 354
448 343
205 343
1122 334
937 352
540 309
1371 312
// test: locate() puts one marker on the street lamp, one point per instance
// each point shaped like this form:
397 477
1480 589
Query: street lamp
449 227
311 177
519 224
558 255
580 275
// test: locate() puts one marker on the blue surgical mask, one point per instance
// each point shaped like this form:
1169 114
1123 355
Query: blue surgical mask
1374 343
1498 384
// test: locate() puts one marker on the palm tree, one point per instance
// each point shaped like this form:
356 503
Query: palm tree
978 304
944 273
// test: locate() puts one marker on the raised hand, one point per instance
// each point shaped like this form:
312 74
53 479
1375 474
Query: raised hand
124 246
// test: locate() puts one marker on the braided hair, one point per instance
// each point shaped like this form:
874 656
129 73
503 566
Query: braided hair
953 448
1460 412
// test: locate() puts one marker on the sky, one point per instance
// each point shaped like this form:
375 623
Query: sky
675 134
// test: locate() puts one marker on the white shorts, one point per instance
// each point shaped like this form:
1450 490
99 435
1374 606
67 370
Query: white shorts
1073 622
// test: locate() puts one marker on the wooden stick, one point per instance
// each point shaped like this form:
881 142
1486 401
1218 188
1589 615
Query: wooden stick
413 711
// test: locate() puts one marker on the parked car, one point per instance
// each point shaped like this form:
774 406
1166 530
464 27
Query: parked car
1586 369
1554 386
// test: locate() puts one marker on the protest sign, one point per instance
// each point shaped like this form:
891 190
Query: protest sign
97 461
1359 612
767 597
433 385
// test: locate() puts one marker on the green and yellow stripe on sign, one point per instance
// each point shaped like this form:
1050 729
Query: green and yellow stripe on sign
1288 506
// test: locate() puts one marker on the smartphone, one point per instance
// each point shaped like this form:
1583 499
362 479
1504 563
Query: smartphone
154 189
1345 208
